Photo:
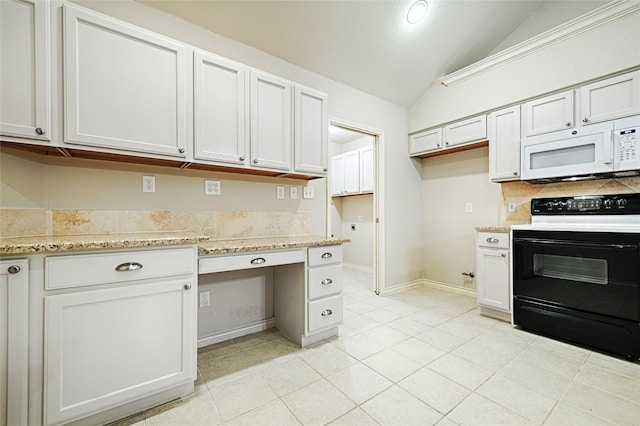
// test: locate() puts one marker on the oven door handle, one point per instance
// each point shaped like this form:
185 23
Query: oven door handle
586 244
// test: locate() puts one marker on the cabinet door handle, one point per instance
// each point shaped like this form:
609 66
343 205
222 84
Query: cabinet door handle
241 158
128 266
258 260
13 269
568 124
326 255
187 286
40 131
493 240
326 312
255 161
503 254
585 120
181 150
326 281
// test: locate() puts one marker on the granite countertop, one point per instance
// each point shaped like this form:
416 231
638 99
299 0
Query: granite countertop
206 247
62 243
493 228
215 247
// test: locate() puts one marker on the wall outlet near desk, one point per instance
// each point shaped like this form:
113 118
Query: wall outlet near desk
148 184
307 192
212 187
205 298
511 206
468 207
280 192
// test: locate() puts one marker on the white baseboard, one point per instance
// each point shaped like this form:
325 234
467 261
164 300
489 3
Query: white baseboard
358 267
238 332
402 287
449 287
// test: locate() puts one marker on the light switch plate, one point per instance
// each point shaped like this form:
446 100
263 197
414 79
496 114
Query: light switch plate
148 184
293 192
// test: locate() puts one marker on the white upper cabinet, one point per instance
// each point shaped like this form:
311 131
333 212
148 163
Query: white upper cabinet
465 131
25 105
124 87
504 144
219 109
352 172
337 175
548 114
367 168
611 98
429 140
311 126
271 129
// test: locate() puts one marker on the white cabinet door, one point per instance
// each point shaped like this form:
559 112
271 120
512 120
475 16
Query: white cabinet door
124 88
337 175
429 140
14 341
352 172
612 98
367 169
25 70
219 109
271 129
465 131
311 127
504 144
110 346
548 114
493 279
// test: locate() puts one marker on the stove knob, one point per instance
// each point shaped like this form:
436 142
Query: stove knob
608 203
621 202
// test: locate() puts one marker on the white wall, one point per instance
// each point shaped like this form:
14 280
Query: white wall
450 181
358 211
400 224
607 49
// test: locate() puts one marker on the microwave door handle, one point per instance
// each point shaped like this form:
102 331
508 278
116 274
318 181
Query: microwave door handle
608 149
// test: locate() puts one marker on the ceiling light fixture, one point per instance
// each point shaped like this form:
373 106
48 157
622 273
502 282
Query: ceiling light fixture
417 11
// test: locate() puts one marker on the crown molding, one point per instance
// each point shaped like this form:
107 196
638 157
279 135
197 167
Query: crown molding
600 16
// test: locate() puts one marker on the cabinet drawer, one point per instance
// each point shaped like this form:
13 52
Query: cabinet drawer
493 239
325 281
92 269
325 313
249 260
324 255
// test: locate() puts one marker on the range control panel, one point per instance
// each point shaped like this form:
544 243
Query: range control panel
587 204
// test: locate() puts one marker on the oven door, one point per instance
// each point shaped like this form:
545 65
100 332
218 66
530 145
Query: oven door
590 272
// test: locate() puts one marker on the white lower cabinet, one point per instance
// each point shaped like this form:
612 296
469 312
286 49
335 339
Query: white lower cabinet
14 344
109 344
492 268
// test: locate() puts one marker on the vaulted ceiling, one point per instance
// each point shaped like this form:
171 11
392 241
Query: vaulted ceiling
370 45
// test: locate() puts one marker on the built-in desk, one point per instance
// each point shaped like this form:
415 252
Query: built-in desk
294 284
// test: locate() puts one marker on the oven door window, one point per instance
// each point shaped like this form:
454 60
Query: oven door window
592 272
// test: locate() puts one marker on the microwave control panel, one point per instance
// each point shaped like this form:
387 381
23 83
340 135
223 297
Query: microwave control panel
626 146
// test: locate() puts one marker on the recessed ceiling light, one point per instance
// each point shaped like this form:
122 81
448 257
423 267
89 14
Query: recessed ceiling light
417 11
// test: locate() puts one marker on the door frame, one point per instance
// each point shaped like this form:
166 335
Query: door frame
378 196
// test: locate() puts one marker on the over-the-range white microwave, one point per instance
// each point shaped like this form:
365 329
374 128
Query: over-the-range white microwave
608 149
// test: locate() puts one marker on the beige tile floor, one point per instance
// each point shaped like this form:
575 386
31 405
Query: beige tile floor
419 357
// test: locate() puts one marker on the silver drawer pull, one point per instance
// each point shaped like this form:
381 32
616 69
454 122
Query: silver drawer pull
327 312
493 240
13 269
128 266
326 255
326 281
187 286
258 260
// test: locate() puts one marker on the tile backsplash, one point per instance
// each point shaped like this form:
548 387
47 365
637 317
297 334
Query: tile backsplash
522 192
215 224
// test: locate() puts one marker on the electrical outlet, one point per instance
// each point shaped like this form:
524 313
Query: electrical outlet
205 298
212 187
293 192
511 206
307 192
280 192
468 207
148 184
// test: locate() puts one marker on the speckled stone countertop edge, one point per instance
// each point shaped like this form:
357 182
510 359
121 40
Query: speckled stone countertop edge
76 243
493 228
218 247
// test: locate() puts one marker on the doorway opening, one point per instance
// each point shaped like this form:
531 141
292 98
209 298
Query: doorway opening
353 197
